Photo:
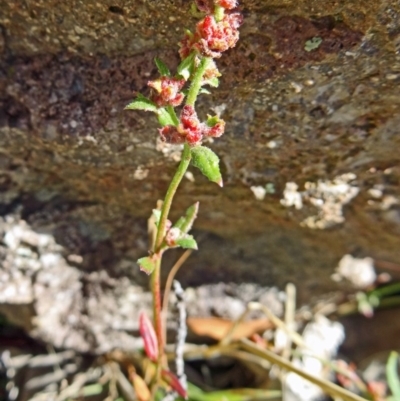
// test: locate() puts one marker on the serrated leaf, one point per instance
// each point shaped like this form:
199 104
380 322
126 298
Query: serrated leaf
208 163
187 242
185 223
162 68
214 82
142 103
165 118
147 264
185 68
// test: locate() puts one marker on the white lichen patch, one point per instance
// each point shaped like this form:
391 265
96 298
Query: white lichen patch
360 272
328 197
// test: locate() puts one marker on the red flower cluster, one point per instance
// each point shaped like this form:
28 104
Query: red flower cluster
213 37
167 91
190 129
217 37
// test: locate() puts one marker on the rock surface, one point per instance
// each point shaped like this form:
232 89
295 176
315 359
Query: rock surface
310 159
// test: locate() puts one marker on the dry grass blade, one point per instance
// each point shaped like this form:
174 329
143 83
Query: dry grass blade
168 286
330 388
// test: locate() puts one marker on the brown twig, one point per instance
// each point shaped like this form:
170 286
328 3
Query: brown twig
168 286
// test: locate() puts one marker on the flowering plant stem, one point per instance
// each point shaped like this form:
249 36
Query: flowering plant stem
166 206
155 277
215 33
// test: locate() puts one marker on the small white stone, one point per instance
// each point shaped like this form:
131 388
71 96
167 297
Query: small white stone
360 272
259 192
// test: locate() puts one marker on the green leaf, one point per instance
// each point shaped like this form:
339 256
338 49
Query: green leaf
185 68
165 118
207 162
147 264
214 82
204 91
185 223
187 242
157 216
142 103
211 121
392 375
162 68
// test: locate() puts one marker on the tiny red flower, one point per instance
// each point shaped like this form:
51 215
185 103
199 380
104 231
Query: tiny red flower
190 129
189 118
149 337
170 134
187 43
167 91
217 130
190 125
217 37
172 236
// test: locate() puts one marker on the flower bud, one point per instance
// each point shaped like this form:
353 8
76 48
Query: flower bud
149 337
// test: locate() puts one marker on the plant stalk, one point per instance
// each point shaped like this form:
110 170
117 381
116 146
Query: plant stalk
166 206
196 82
155 277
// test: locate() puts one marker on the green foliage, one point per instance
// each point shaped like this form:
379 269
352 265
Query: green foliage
185 223
157 216
167 116
162 68
147 264
187 242
186 67
207 162
214 82
142 103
